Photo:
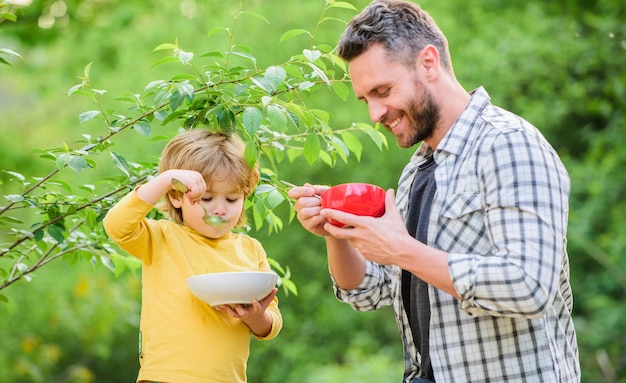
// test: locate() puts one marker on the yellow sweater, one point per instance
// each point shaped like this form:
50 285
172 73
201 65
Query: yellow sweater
182 339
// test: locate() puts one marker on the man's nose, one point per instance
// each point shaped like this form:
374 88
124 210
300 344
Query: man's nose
377 111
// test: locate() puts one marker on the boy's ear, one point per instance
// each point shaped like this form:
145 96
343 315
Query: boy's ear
176 200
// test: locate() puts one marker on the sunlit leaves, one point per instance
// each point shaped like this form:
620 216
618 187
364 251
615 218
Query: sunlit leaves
8 52
352 143
252 119
184 57
312 147
312 56
275 76
340 4
218 90
293 33
86 116
120 162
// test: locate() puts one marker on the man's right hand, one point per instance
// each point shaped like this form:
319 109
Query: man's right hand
308 206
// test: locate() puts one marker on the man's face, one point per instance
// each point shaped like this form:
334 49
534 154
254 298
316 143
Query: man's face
395 95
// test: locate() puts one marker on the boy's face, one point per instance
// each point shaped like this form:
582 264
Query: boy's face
222 199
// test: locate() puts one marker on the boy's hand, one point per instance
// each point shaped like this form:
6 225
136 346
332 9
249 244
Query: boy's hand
248 311
253 314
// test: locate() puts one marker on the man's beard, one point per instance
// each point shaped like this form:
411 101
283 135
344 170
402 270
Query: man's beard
423 117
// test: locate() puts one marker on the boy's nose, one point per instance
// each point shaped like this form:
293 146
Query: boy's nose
219 208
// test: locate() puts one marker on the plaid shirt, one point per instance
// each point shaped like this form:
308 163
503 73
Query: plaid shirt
500 211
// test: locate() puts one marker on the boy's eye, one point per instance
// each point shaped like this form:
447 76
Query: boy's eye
232 200
207 199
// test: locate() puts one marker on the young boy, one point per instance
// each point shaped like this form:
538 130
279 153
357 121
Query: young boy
183 339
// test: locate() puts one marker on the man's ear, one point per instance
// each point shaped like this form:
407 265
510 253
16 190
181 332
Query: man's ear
428 61
176 199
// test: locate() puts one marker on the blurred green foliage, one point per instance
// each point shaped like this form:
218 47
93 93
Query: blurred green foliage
558 64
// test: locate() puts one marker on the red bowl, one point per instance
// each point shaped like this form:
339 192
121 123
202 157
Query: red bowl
355 198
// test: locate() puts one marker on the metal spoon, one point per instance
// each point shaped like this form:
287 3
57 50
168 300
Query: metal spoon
209 219
294 186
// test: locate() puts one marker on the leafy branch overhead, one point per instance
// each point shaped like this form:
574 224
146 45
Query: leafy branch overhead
55 217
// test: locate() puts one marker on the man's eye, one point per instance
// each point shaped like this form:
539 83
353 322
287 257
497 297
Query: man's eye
384 92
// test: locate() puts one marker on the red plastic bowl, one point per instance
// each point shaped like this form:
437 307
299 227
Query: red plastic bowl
355 198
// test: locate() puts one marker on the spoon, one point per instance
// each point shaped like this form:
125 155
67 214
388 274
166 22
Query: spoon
294 186
209 219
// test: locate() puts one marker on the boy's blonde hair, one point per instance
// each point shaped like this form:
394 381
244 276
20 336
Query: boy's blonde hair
217 156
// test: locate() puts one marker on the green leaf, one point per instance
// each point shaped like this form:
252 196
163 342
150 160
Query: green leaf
340 147
244 55
257 216
10 52
16 175
341 90
336 60
327 159
304 85
173 116
317 72
8 16
74 88
353 144
275 75
184 57
274 198
293 33
262 83
341 4
143 128
226 119
377 137
158 84
77 164
258 16
14 198
264 188
252 119
214 31
312 56
56 232
276 266
38 235
312 148
165 60
288 285
176 100
251 154
184 76
86 116
165 46
8 218
277 116
185 89
121 163
62 160
87 70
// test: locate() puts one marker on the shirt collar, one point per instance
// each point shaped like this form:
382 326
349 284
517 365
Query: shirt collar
458 135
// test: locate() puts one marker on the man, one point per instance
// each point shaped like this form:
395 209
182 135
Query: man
472 253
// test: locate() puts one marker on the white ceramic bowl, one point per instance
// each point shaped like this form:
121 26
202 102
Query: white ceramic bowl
235 287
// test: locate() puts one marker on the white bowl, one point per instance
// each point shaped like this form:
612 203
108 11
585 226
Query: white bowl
234 287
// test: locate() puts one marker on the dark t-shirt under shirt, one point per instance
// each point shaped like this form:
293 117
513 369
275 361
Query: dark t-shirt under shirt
414 290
